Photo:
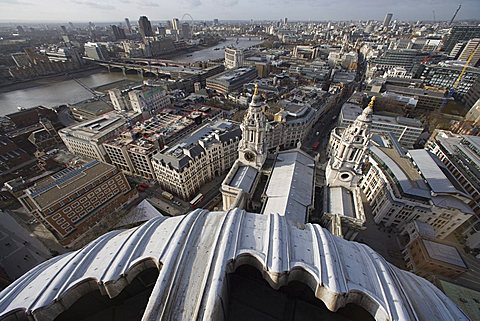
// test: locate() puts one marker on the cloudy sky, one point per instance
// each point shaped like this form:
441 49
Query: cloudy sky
116 10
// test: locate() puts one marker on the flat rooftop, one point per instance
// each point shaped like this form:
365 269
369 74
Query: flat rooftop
96 128
231 75
401 168
352 111
444 253
290 188
93 107
57 186
431 172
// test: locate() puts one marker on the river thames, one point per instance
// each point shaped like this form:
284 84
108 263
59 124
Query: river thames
57 92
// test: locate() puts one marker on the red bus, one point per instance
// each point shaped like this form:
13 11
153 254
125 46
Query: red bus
194 202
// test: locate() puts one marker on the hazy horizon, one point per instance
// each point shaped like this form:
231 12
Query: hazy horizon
295 10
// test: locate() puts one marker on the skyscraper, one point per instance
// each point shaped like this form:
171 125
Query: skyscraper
186 31
129 26
145 27
175 24
388 18
118 33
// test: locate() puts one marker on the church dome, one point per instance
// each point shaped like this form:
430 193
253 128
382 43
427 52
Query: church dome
194 254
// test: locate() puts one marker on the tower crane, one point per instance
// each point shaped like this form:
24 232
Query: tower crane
455 14
453 90
464 69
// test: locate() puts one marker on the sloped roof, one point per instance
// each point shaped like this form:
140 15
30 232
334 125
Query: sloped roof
290 188
196 251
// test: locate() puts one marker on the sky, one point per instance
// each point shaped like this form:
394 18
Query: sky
117 10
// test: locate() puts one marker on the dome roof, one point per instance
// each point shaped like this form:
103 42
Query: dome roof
195 252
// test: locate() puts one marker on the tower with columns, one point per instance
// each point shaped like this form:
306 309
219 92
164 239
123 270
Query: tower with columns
252 149
348 155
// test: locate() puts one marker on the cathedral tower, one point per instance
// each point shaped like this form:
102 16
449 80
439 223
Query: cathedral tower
345 166
252 149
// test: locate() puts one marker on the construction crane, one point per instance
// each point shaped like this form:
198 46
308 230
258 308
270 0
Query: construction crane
464 69
455 14
453 90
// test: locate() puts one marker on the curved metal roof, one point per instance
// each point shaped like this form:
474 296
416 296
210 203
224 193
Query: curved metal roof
195 252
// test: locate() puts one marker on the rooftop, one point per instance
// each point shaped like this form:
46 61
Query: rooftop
93 107
188 147
231 75
436 179
195 253
244 178
63 183
421 175
444 253
340 202
290 188
96 128
351 111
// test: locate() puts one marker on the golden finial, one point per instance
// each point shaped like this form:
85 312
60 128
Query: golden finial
256 90
372 102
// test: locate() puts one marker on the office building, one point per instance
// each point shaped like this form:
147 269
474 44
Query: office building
71 201
430 258
148 100
427 100
471 52
291 125
461 155
233 58
129 26
473 94
387 20
175 24
413 185
231 80
460 34
232 256
186 31
132 150
306 52
197 158
86 139
118 33
96 51
145 27
406 130
446 74
409 59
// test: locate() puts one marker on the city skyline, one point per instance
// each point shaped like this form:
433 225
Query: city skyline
109 11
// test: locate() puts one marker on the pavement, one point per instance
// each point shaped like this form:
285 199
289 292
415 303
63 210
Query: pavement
385 241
